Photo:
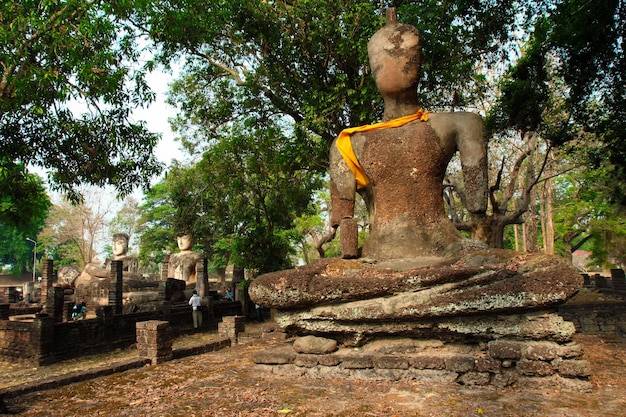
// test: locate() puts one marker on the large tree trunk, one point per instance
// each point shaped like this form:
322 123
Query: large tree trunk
548 218
531 224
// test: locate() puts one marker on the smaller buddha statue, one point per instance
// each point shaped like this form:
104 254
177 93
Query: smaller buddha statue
182 265
120 252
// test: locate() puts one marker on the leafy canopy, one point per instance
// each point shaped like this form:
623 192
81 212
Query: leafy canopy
53 55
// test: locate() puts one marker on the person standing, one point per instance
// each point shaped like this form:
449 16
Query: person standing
196 305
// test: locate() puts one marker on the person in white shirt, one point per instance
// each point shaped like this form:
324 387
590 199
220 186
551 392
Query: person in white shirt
196 305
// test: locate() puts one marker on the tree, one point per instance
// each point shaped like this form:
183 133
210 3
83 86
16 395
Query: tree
587 38
16 252
304 63
127 220
308 60
53 55
587 216
253 185
74 232
24 206
24 202
157 227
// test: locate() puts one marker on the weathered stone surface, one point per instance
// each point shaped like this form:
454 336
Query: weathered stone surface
532 326
571 351
427 361
460 363
276 356
306 360
482 296
534 368
506 378
401 345
498 363
432 376
474 378
505 349
390 362
356 361
544 351
485 363
573 368
487 281
329 360
314 345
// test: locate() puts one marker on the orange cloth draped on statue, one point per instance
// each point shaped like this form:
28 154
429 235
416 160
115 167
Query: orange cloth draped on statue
344 144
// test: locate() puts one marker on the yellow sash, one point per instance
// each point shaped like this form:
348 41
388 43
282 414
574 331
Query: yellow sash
344 144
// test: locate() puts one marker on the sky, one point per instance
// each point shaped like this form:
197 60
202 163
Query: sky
156 117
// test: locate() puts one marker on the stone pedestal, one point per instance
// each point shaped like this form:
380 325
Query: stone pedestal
498 363
231 326
484 318
202 279
55 303
154 341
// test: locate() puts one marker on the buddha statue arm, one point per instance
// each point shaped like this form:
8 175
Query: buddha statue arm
465 132
342 193
471 142
342 188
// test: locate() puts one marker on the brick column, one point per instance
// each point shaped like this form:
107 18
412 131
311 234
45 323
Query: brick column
166 268
231 326
55 303
115 287
4 311
619 279
202 279
47 279
68 309
154 341
42 340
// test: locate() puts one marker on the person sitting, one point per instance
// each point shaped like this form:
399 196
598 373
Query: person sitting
79 311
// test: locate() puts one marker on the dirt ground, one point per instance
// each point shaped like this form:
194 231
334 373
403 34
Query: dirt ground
225 383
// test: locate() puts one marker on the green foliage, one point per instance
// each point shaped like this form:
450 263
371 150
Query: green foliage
462 41
524 91
24 202
586 36
254 186
16 251
156 224
57 53
307 60
24 206
240 201
585 213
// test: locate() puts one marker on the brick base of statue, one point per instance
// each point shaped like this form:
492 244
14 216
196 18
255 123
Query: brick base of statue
485 318
498 363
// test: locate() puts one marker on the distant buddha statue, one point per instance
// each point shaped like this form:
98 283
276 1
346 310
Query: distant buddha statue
182 265
120 252
101 271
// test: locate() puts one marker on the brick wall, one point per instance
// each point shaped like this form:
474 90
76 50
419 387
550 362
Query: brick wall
596 318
